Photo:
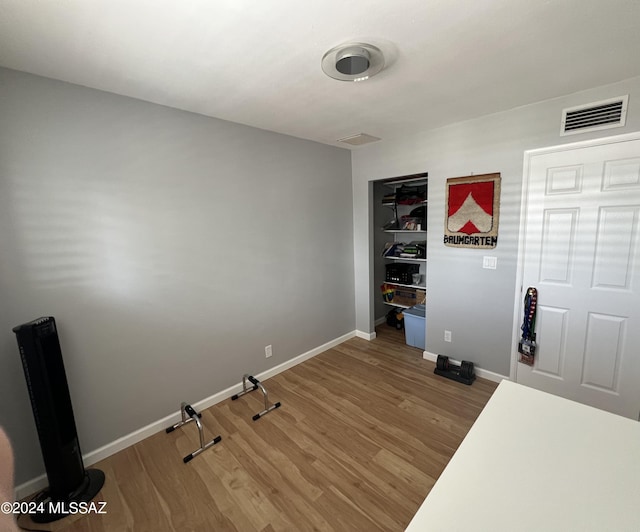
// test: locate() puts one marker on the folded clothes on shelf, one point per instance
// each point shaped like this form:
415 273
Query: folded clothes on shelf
416 249
408 195
389 198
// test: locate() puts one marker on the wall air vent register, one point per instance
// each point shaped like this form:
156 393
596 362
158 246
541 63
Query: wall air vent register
604 114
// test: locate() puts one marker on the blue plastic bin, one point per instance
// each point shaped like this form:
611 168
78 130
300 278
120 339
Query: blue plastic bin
415 326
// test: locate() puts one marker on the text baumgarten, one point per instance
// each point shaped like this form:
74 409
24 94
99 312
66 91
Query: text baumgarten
469 240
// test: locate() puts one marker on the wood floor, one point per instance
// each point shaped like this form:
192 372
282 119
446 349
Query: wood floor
364 431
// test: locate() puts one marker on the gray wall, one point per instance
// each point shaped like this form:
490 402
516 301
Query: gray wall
170 247
474 303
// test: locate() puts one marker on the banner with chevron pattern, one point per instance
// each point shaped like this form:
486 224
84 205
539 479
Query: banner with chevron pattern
472 211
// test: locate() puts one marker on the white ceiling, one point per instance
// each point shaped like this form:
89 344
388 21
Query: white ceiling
257 62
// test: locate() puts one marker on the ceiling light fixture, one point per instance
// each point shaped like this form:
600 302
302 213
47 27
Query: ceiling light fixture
353 62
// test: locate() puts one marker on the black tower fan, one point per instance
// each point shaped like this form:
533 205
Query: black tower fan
46 379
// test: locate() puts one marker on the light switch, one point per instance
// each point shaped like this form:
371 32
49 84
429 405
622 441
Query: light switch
490 263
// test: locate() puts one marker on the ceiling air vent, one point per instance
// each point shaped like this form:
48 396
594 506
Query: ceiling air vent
359 139
594 116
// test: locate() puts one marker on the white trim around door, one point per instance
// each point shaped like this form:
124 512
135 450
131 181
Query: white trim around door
518 289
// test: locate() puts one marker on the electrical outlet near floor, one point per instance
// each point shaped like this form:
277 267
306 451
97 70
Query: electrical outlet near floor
447 336
268 351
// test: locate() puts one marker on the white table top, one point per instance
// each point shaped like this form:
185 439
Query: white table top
536 462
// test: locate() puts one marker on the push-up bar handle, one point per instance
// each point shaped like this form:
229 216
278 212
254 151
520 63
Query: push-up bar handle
192 413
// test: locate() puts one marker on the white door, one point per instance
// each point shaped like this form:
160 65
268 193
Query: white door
581 250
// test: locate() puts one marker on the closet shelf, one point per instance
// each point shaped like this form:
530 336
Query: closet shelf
405 230
406 259
396 305
420 286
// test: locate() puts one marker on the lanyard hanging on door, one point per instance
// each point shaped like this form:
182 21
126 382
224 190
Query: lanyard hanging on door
527 345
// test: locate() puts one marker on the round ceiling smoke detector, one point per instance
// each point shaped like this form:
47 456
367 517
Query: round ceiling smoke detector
353 62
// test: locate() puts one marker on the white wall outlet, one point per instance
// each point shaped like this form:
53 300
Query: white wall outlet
447 336
490 263
268 351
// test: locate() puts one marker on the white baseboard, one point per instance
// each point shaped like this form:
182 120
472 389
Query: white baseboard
92 457
297 360
30 486
484 373
366 336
